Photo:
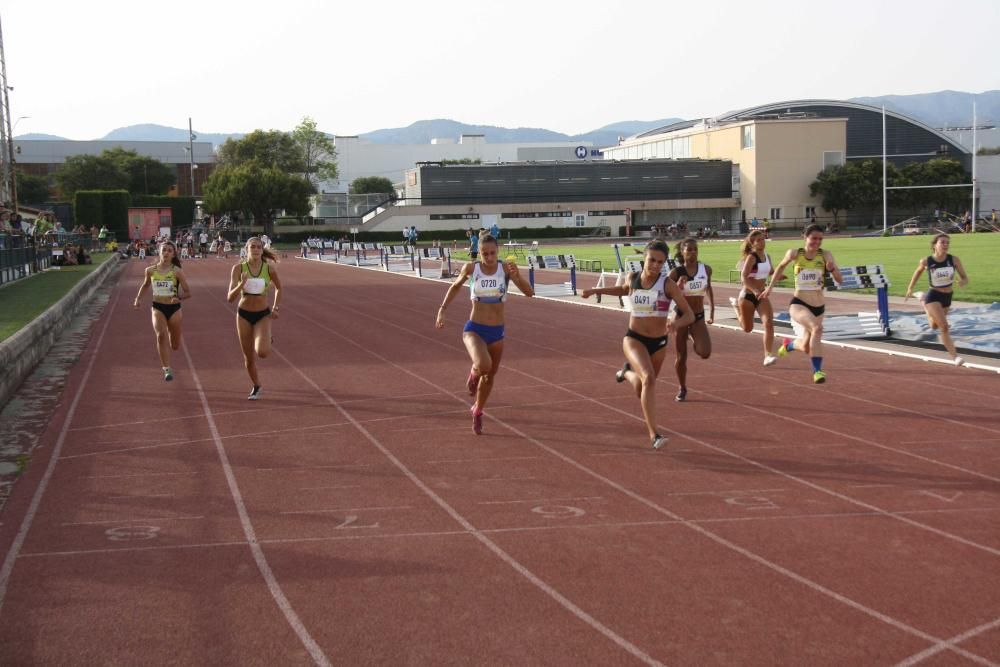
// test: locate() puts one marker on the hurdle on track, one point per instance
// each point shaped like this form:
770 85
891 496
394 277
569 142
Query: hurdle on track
394 258
552 262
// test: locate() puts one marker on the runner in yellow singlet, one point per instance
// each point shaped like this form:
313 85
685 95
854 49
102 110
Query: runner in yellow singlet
169 287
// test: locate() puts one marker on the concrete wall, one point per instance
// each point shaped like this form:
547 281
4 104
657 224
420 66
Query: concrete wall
20 353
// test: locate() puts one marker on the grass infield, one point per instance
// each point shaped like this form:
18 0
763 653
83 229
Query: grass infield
980 255
23 300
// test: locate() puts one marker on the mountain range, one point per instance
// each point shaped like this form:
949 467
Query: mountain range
945 108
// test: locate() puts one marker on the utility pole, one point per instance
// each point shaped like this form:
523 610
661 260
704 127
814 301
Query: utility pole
9 188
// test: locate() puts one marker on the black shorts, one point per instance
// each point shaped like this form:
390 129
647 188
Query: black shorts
653 345
817 311
168 309
751 297
697 316
936 296
473 254
253 316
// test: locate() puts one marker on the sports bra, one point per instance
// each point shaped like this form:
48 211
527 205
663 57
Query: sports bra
256 285
652 302
488 288
941 274
761 270
694 285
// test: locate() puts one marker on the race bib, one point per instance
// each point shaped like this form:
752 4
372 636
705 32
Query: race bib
646 303
490 288
694 287
808 279
163 288
254 286
942 276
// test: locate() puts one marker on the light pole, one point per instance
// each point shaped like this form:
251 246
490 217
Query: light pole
191 137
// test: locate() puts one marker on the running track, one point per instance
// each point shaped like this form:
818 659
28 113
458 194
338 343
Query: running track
351 517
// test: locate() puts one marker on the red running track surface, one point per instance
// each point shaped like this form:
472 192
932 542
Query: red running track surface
351 516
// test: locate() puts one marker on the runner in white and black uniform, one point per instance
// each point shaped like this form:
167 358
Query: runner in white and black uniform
695 280
649 293
941 268
755 268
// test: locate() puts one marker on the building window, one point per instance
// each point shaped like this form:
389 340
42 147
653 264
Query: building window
746 139
580 220
832 159
810 212
775 213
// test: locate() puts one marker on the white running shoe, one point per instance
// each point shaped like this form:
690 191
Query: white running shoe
958 361
254 393
770 359
659 441
732 301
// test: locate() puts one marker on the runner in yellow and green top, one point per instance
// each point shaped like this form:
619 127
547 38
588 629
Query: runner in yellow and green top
811 265
169 287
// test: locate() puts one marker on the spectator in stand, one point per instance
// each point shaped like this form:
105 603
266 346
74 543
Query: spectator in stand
203 243
495 230
102 235
82 256
5 226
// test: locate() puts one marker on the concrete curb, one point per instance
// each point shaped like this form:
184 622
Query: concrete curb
20 353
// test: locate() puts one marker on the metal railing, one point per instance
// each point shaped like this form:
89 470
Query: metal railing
20 257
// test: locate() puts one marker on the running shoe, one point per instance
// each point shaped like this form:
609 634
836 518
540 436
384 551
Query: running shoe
473 383
783 348
958 361
819 377
660 441
732 300
770 359
681 395
477 420
620 373
254 393
168 375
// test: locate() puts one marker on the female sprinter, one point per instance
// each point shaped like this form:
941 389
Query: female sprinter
165 277
695 281
483 333
250 280
941 268
755 269
807 306
645 344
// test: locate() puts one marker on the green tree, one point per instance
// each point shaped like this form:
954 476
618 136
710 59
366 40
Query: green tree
258 190
90 172
833 185
32 189
146 175
271 148
318 152
372 185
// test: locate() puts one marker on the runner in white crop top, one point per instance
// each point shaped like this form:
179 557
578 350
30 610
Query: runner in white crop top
754 272
695 280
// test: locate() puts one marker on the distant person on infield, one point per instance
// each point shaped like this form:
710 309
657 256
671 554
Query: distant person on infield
695 281
807 307
941 268
250 281
755 268
483 334
649 295
166 277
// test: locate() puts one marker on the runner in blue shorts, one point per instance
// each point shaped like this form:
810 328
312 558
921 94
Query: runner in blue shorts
941 268
483 333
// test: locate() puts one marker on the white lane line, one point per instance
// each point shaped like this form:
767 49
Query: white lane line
145 495
331 486
349 509
36 499
483 539
733 492
509 529
148 519
950 643
735 547
138 474
344 466
537 500
248 530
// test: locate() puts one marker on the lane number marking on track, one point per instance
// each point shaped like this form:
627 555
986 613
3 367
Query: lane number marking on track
558 511
132 533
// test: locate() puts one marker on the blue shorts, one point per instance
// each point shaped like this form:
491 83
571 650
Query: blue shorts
489 334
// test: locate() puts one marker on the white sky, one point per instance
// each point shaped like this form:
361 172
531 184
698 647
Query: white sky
82 69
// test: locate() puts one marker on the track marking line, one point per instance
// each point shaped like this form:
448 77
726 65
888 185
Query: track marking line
332 486
808 583
138 474
483 460
36 499
349 509
537 500
248 530
142 520
949 643
734 492
343 466
146 495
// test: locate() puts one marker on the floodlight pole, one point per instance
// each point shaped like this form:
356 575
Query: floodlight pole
191 154
885 192
974 151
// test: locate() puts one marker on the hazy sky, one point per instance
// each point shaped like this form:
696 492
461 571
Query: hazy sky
81 69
